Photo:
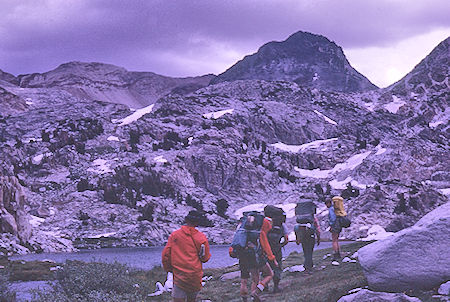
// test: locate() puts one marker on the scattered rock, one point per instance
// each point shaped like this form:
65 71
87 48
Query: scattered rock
295 268
367 295
444 289
231 275
335 263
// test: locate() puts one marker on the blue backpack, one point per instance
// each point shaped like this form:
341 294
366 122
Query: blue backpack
248 231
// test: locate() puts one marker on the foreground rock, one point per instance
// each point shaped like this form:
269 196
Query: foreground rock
367 295
414 258
13 217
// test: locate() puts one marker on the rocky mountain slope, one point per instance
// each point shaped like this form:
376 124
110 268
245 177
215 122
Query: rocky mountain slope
101 174
307 59
97 81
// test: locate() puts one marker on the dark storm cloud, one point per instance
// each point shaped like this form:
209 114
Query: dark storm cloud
194 37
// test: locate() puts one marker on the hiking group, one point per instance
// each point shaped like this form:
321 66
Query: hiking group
257 244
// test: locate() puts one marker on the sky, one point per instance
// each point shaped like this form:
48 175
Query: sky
382 39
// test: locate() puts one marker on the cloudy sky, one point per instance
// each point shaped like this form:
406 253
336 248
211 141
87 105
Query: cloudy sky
383 39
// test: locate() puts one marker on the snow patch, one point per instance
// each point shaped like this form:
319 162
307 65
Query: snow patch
101 166
215 115
380 150
445 191
349 164
325 117
297 148
36 160
395 105
113 138
341 185
435 124
315 77
160 159
36 221
370 106
28 140
105 235
135 116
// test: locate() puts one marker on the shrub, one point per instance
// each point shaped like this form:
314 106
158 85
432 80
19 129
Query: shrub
221 207
5 294
95 282
83 185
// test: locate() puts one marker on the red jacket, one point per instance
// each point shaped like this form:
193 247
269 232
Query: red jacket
180 256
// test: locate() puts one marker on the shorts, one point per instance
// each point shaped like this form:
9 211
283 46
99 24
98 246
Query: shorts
179 293
249 259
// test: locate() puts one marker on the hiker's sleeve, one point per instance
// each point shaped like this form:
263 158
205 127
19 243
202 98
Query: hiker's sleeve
317 225
264 241
166 259
207 252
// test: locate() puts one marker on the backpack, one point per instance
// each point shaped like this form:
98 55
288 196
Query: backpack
304 212
248 231
278 218
344 221
277 214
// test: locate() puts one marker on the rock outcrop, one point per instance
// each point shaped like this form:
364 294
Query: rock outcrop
13 216
423 250
367 295
307 59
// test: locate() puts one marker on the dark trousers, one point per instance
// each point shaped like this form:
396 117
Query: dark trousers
308 247
277 269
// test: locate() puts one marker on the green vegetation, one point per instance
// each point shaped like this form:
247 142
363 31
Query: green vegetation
96 282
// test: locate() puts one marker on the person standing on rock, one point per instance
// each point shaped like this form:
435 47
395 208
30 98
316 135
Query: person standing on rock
186 250
335 227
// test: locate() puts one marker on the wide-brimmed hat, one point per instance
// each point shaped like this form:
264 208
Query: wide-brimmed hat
194 217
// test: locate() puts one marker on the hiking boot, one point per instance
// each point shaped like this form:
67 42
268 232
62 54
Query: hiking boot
337 256
255 295
244 298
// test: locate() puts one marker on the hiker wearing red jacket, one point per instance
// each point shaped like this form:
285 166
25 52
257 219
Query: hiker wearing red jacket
252 263
186 250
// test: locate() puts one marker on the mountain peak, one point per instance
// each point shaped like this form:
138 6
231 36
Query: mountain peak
429 76
305 58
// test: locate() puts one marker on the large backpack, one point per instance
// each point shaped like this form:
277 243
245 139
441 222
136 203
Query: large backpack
248 231
278 217
304 211
277 214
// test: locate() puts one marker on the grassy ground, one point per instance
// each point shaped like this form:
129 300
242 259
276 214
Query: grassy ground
327 283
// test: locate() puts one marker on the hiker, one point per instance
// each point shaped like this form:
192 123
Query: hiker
186 250
251 246
278 238
335 227
307 230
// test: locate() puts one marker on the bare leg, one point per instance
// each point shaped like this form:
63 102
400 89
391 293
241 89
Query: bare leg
244 289
336 248
178 300
267 274
255 278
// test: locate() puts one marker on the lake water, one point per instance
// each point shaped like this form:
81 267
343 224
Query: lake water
147 257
